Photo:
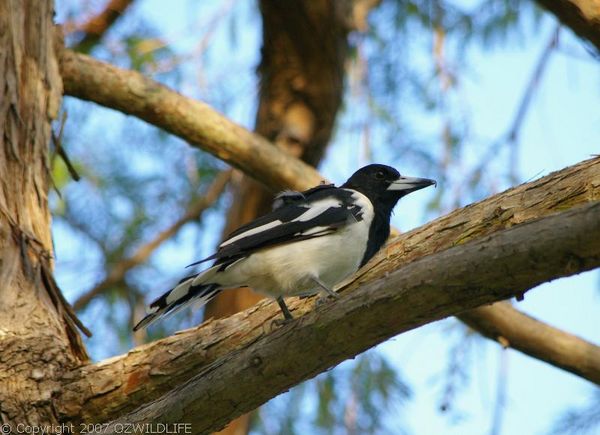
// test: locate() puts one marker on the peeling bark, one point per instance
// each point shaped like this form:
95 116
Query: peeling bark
40 347
38 334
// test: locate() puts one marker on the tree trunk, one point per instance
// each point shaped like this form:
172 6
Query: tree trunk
38 338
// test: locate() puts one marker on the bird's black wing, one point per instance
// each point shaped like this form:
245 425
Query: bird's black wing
317 212
294 197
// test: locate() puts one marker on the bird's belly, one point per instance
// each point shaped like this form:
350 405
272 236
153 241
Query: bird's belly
288 270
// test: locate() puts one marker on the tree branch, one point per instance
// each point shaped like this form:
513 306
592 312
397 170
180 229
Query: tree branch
94 29
565 189
106 390
194 211
582 16
132 93
511 328
506 263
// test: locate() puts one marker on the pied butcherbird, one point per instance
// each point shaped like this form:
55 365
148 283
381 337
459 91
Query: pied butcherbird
308 243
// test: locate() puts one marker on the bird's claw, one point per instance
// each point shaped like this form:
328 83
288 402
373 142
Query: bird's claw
325 299
278 323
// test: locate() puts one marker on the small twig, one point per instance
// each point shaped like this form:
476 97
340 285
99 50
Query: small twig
32 247
194 211
534 81
512 135
94 29
57 140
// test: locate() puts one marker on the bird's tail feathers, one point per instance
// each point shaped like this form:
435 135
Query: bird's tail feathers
187 291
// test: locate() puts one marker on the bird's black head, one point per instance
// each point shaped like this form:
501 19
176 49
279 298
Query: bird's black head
384 185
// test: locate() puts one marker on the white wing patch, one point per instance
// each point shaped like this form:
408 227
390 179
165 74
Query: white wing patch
365 205
178 292
316 208
248 233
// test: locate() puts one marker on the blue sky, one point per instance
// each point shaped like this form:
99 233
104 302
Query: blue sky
561 128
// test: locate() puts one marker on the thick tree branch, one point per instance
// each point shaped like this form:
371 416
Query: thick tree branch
582 16
504 264
106 390
194 211
132 93
511 328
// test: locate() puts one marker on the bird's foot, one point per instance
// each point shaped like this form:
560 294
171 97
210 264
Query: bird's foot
287 316
278 323
326 289
325 299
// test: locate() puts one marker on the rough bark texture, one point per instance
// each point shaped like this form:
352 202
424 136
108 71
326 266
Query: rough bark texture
582 16
511 328
38 341
106 390
275 171
38 338
504 264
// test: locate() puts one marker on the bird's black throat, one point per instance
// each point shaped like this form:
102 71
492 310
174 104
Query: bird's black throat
379 230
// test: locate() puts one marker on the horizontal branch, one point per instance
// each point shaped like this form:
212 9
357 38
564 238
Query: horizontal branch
511 328
504 264
203 127
106 390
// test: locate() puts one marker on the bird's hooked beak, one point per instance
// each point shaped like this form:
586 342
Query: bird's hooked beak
410 184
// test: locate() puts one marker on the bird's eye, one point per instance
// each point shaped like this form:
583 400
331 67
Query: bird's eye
379 175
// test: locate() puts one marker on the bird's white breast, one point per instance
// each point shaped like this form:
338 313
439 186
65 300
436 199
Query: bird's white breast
288 269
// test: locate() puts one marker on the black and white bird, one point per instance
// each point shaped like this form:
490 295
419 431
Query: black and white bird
307 244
